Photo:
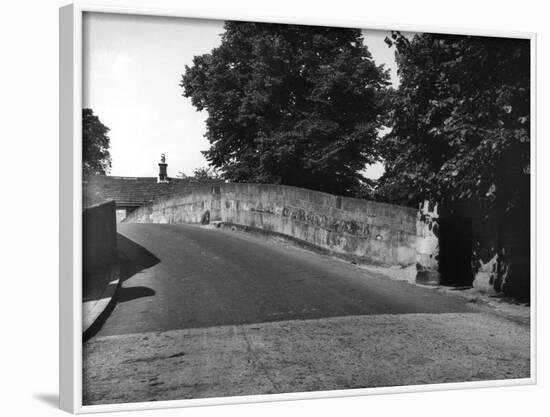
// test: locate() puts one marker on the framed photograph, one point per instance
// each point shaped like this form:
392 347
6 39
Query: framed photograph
267 209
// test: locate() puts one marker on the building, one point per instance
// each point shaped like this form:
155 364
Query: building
129 193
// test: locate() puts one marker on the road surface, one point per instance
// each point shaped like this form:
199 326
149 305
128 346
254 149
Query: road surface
206 312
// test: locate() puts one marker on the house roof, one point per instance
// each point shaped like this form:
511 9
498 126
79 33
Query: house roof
132 191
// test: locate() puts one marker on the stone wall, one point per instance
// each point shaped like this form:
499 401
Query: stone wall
374 232
99 236
427 244
485 257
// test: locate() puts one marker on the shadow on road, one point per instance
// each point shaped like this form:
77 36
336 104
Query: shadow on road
137 257
134 258
133 293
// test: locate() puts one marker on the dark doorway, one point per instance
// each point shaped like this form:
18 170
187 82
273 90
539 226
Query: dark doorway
455 250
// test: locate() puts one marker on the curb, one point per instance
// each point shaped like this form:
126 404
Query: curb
95 312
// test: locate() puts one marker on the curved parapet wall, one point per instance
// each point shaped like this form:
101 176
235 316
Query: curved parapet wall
189 206
375 232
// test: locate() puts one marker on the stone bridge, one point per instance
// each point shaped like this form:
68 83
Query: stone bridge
204 312
360 230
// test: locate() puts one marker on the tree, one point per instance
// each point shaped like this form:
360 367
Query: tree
96 158
295 105
460 126
205 173
459 121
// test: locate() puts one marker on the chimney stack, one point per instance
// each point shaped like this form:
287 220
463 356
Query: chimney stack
163 176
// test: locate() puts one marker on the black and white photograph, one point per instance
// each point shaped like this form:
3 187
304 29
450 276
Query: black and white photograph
277 208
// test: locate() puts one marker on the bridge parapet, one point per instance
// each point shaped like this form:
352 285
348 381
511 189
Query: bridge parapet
375 232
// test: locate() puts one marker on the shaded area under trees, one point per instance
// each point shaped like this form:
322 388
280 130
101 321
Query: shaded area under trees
460 136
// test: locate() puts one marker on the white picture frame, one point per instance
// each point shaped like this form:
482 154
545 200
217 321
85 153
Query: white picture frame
70 203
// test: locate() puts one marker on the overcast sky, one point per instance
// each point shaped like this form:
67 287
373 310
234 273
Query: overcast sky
132 66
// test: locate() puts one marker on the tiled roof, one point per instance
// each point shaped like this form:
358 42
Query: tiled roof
132 191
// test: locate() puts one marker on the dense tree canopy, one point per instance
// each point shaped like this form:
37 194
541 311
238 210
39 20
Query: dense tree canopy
96 158
460 121
297 105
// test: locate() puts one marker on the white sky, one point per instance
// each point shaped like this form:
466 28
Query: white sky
132 66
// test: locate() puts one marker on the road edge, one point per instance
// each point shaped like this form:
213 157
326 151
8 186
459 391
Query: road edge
95 313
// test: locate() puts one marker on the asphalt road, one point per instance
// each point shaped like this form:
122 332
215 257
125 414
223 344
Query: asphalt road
185 276
214 313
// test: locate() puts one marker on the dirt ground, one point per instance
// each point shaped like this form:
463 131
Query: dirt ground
305 355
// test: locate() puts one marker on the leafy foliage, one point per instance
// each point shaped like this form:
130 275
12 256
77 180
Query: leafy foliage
205 173
460 121
96 158
296 105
